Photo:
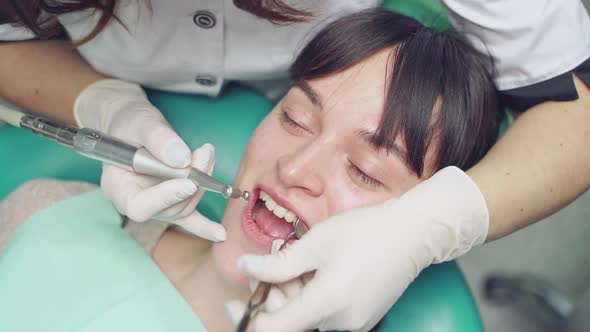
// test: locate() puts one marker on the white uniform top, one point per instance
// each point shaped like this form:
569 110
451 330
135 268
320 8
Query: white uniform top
196 46
530 40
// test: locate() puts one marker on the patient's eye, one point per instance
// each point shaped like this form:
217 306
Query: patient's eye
289 122
364 177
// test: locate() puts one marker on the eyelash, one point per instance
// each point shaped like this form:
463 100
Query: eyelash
286 119
364 177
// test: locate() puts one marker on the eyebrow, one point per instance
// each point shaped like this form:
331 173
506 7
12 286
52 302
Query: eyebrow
369 137
311 94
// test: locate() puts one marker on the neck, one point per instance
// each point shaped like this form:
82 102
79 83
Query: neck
187 261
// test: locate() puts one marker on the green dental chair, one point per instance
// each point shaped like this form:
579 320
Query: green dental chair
438 301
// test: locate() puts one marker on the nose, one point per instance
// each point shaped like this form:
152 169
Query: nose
303 169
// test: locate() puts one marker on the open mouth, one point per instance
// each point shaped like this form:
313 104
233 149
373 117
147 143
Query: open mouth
266 219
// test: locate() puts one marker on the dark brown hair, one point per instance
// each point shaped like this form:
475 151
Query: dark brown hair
275 11
30 13
432 73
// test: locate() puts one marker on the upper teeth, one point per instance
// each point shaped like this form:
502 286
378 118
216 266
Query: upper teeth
277 209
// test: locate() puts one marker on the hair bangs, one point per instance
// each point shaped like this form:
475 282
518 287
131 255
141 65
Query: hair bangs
440 104
412 94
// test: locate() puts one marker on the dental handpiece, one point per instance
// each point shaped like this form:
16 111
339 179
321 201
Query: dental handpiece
99 146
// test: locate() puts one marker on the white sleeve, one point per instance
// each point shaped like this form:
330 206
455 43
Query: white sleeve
9 32
530 41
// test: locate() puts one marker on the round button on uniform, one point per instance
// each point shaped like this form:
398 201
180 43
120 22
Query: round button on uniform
206 80
204 19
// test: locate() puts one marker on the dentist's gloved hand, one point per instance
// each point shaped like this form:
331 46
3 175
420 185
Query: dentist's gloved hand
278 296
364 259
121 109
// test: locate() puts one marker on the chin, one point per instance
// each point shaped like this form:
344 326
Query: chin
225 254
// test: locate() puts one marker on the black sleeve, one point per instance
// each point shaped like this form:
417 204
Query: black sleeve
559 88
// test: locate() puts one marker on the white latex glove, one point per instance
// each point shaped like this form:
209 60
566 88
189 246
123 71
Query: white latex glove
364 259
278 296
121 109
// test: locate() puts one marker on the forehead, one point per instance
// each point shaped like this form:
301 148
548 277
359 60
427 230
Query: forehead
359 90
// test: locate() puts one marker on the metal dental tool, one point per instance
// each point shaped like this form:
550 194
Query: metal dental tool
260 294
96 145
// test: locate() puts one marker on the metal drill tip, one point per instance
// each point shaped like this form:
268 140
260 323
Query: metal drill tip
245 194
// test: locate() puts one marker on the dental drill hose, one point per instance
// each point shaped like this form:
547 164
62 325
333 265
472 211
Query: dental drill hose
96 145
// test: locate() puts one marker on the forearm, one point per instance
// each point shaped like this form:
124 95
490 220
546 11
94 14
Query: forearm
541 164
44 77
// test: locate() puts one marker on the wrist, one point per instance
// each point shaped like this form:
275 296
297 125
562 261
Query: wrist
455 210
100 102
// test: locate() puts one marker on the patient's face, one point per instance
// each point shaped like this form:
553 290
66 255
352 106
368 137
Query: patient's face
309 159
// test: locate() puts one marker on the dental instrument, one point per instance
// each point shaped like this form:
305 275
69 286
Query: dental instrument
261 292
96 145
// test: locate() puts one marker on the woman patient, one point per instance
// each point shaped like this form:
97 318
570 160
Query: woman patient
378 104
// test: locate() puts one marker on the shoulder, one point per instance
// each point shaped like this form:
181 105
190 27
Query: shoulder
33 196
147 234
550 40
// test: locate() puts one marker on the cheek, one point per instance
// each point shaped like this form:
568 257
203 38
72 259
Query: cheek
345 195
264 145
225 256
258 162
347 198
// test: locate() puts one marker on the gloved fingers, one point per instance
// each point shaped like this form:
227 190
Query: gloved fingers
178 210
276 299
287 264
287 289
302 312
201 226
234 310
276 246
280 294
162 141
151 201
203 159
292 288
114 177
322 303
306 277
138 203
252 284
119 184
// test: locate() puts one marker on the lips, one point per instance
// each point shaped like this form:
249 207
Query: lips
263 227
